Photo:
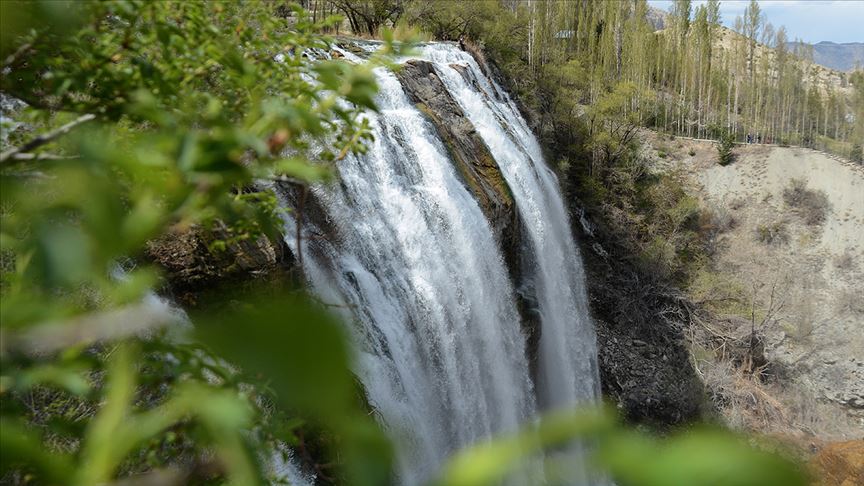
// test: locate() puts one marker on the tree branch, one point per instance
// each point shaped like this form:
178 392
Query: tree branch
42 156
15 55
44 138
107 325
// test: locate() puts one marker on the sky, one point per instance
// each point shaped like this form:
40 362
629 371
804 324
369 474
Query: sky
809 20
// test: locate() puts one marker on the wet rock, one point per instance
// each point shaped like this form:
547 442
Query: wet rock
467 149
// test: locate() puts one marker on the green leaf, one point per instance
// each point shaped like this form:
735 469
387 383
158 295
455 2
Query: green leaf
303 170
291 343
69 378
21 447
701 456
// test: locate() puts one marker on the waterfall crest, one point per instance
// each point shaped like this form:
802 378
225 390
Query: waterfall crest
401 244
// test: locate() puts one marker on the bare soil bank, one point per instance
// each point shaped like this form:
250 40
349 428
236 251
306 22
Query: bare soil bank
808 276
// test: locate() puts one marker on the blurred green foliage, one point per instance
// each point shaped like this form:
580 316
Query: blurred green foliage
696 457
174 110
171 111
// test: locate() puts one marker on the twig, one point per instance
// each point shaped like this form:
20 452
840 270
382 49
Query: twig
44 138
14 56
347 148
43 156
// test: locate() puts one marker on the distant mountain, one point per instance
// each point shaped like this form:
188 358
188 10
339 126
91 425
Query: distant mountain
842 57
656 18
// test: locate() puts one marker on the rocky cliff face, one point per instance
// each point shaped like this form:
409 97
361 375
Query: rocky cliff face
645 367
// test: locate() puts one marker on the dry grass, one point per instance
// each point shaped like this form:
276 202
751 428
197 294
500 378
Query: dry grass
742 398
775 233
850 302
748 403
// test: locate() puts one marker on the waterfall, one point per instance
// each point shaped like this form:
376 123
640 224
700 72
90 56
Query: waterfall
402 248
568 367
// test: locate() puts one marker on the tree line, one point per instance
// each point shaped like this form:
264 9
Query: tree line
692 75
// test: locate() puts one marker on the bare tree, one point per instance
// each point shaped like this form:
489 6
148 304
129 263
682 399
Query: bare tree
368 16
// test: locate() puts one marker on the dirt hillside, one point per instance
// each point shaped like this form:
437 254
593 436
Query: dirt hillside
795 242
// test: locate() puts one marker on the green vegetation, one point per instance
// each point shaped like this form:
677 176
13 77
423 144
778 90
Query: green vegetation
702 79
724 149
857 153
699 456
146 118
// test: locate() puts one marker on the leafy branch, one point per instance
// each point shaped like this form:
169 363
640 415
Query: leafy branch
20 153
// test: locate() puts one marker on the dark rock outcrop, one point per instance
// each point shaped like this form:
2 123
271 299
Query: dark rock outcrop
192 268
648 375
644 362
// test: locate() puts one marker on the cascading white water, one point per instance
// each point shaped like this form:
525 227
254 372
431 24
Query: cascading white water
407 252
568 369
441 354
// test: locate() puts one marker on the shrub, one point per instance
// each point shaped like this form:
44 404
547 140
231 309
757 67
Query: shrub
812 206
692 152
857 153
775 233
846 261
719 291
717 218
660 257
724 149
661 154
850 302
